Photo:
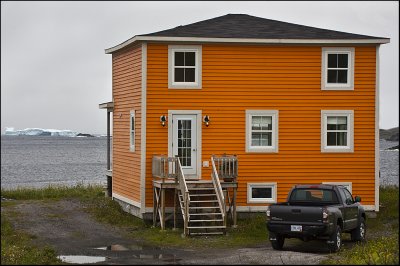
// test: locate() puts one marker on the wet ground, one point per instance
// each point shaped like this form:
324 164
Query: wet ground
78 238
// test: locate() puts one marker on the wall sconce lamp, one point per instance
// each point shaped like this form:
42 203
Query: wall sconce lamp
206 120
163 119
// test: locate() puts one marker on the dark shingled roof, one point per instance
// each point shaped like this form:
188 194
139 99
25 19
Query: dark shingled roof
245 26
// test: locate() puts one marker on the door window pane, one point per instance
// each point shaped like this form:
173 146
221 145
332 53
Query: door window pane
184 142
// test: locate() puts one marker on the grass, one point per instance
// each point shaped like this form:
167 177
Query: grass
16 248
249 231
381 246
79 191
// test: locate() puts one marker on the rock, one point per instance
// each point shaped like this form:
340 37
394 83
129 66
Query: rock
389 134
393 148
394 137
84 135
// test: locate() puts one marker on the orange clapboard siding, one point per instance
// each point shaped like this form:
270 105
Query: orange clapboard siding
284 78
127 71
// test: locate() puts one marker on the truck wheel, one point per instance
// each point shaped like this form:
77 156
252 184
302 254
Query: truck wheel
358 234
335 240
278 243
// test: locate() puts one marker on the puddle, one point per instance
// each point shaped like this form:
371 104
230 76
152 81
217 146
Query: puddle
168 257
81 259
163 257
143 249
117 247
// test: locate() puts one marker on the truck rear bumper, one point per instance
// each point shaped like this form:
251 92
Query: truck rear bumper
308 231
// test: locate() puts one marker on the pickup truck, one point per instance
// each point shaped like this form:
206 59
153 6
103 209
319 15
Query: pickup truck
317 212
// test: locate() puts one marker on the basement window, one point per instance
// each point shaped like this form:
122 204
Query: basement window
261 193
337 69
184 70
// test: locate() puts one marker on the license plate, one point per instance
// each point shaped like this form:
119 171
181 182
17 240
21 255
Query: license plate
296 228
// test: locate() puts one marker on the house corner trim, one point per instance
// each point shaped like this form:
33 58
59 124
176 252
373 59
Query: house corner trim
143 131
377 130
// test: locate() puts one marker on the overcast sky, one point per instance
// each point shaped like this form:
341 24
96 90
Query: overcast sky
54 71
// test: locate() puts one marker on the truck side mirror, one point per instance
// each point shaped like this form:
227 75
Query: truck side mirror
357 199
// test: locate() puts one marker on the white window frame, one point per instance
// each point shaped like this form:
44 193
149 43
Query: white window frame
275 131
272 185
348 185
198 66
350 130
350 70
132 133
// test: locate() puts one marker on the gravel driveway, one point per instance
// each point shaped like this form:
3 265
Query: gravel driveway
66 227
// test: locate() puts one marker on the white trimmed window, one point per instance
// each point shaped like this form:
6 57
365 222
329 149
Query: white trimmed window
262 131
261 193
337 68
347 185
132 130
184 66
337 130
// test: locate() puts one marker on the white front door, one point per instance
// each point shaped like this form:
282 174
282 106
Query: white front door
184 142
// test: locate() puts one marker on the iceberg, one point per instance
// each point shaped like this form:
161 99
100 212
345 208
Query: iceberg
10 131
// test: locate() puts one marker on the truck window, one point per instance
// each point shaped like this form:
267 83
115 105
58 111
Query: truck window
313 195
349 198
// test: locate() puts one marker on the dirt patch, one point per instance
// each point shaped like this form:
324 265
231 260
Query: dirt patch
65 226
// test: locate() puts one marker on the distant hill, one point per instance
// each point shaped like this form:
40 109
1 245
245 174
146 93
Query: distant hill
389 134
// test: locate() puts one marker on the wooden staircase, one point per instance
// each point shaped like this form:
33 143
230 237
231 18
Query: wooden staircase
204 213
202 202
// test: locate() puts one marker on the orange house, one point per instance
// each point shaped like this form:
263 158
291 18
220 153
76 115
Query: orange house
295 104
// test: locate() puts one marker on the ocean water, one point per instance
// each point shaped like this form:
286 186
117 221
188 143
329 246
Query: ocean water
389 163
39 161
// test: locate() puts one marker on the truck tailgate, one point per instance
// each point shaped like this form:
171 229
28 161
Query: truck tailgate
296 214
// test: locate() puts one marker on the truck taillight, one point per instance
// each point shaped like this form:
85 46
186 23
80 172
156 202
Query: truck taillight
268 213
325 215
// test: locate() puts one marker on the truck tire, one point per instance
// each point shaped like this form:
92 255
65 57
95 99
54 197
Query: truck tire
278 243
335 240
358 234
